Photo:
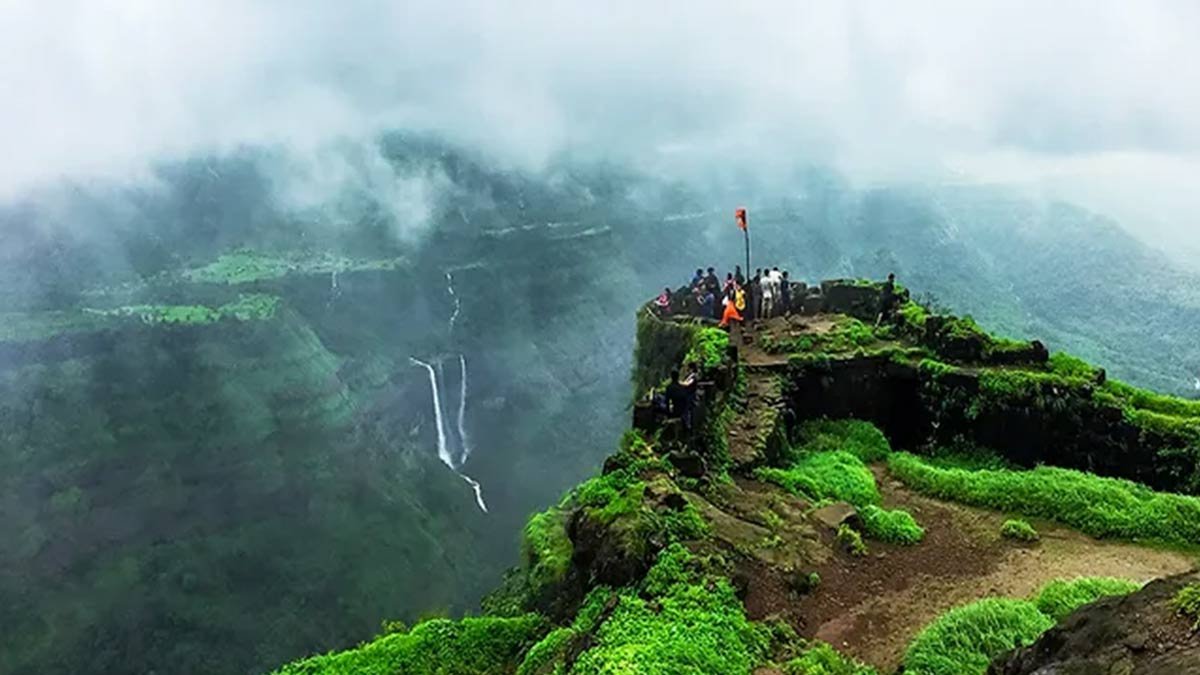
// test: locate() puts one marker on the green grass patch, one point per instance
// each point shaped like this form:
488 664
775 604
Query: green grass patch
547 548
934 368
1101 507
1019 530
248 307
1059 599
914 315
836 475
246 266
680 622
708 347
1187 603
862 439
895 527
964 640
616 499
821 659
1141 399
552 648
1068 366
466 647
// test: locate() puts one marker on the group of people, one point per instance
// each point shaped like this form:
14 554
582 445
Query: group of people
767 294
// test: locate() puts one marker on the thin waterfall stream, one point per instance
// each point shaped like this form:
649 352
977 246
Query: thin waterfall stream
436 377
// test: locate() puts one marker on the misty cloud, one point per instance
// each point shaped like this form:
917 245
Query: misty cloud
340 183
878 89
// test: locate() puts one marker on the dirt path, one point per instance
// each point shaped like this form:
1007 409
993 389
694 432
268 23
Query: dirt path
872 607
752 354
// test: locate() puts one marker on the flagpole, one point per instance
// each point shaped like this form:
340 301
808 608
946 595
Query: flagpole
747 233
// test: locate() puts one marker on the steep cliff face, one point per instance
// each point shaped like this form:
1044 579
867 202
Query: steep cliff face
777 523
254 436
182 475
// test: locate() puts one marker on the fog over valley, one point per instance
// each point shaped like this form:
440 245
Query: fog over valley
307 307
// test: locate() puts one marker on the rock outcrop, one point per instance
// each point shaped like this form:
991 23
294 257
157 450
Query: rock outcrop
1138 634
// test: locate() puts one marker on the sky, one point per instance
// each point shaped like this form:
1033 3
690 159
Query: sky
1095 101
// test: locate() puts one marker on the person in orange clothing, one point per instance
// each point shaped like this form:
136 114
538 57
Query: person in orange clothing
731 306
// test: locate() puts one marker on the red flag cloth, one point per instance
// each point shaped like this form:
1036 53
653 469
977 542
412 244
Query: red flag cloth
740 214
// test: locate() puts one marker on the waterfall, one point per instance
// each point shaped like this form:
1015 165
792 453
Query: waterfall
465 449
478 491
453 296
436 377
335 291
443 451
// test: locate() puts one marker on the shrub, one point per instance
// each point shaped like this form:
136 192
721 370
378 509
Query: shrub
914 314
465 647
1187 603
821 659
826 475
1019 530
1101 507
862 439
896 527
964 640
1059 599
851 541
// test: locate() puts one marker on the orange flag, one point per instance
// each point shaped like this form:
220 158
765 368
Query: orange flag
740 214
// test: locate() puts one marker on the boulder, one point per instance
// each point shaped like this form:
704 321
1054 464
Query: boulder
837 514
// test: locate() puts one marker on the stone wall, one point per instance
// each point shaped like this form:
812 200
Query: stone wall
1048 424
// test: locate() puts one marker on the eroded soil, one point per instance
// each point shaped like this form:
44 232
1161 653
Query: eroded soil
872 607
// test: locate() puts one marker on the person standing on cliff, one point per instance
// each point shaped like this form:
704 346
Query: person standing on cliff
756 295
731 313
711 283
785 293
887 300
738 276
706 301
680 398
770 293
